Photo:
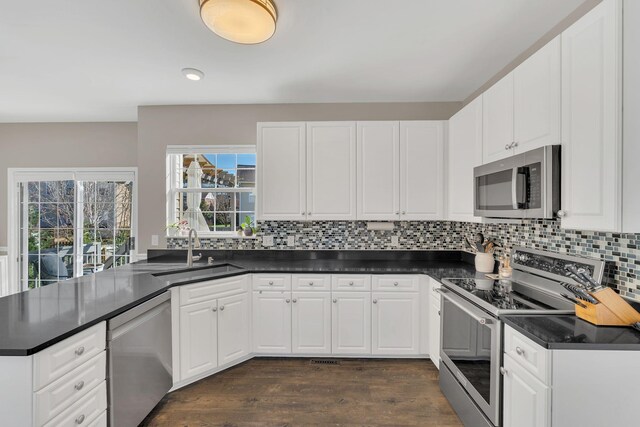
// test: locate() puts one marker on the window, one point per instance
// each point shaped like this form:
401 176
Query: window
211 188
70 223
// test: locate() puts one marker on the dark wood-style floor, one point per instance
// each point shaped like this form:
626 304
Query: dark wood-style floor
293 392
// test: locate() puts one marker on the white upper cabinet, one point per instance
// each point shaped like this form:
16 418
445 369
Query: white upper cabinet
522 111
421 170
497 120
537 99
464 152
281 171
331 170
378 170
591 120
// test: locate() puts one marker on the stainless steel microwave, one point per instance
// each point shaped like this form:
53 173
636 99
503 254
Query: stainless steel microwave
525 185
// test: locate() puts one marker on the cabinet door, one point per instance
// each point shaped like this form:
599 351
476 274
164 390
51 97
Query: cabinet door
497 120
464 152
537 99
526 400
591 117
378 177
198 338
311 322
395 322
271 322
281 171
233 328
331 170
421 170
351 323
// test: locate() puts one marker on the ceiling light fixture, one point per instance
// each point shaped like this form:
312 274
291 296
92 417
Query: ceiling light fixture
193 74
240 21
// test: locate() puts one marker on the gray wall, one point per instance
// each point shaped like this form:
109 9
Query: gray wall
51 145
159 126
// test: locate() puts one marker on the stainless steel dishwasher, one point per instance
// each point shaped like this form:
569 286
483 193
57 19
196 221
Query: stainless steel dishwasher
139 345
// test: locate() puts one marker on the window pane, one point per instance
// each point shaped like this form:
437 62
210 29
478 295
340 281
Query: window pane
224 202
34 191
208 179
246 177
66 214
123 205
48 215
226 161
47 240
105 213
223 221
34 215
246 161
227 178
246 202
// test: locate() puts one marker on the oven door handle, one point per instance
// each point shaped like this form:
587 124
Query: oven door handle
462 306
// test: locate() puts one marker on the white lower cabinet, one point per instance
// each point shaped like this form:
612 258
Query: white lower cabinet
395 322
271 313
311 322
198 338
526 399
233 328
351 323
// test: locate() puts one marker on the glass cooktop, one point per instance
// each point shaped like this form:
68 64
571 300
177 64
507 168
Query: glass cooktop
506 296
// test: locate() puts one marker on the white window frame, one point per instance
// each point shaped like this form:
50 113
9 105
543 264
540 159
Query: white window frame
174 180
19 175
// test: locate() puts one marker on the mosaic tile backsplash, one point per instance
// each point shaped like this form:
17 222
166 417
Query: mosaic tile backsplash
621 251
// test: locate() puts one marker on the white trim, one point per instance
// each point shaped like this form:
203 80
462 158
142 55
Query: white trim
211 149
17 175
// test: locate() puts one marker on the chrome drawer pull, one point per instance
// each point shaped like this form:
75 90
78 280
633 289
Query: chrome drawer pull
222 308
287 300
271 283
350 283
335 300
519 351
79 385
80 419
395 283
375 301
79 351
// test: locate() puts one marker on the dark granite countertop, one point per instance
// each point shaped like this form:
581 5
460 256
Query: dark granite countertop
568 332
33 320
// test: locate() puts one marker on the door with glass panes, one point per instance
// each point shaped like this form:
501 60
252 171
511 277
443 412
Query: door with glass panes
72 224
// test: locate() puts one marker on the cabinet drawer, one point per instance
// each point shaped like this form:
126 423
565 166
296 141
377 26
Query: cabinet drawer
528 354
85 410
395 283
272 282
204 291
311 282
55 361
101 421
62 393
351 282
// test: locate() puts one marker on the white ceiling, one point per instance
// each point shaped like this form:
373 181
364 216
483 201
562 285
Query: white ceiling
92 60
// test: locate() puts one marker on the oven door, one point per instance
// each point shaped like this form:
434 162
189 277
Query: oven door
471 348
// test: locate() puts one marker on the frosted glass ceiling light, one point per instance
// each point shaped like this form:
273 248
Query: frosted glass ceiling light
240 21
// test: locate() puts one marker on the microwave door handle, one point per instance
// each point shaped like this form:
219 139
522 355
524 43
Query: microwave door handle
514 188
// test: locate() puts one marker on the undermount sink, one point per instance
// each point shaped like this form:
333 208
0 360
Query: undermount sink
197 274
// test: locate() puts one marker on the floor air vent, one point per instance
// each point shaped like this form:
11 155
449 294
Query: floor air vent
325 362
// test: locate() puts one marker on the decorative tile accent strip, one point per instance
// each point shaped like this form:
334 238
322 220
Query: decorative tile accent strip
621 251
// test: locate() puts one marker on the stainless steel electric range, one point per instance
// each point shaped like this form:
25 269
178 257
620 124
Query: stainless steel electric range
471 330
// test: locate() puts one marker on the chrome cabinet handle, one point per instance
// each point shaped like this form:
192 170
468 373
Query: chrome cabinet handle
515 144
395 283
214 309
287 300
79 385
503 371
80 419
404 212
375 301
335 300
506 146
295 300
398 213
562 213
79 351
302 213
350 283
310 283
271 283
519 351
222 308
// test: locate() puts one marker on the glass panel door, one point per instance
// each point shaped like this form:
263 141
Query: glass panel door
70 228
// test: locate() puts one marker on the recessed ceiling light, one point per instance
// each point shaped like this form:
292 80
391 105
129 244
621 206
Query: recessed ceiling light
240 21
193 74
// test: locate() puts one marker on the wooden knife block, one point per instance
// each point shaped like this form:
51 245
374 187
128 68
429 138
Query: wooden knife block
612 310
